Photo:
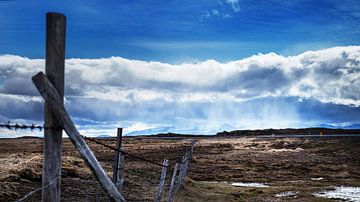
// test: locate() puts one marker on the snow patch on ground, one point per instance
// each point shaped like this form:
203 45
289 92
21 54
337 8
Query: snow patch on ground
292 194
316 179
345 193
249 184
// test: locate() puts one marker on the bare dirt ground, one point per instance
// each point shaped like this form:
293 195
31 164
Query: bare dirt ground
301 165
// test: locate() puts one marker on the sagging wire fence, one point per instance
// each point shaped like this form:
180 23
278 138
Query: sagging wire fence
179 165
32 127
51 88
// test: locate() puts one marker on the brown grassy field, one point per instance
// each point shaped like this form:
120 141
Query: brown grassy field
301 165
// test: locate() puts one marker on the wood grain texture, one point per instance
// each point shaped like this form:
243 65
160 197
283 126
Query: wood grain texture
171 193
54 67
162 180
181 174
49 93
118 177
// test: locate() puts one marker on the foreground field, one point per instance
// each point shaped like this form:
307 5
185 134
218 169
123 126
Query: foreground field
289 169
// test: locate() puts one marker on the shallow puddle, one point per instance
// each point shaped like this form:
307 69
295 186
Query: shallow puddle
345 193
249 184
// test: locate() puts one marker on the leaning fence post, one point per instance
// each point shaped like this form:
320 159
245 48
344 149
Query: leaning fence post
188 158
181 174
49 93
118 177
54 67
170 195
162 180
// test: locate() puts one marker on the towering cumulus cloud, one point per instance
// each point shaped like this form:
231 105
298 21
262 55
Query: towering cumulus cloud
265 90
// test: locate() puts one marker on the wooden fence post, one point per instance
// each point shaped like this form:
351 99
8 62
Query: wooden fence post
188 155
54 67
193 142
49 93
162 180
118 177
181 173
170 194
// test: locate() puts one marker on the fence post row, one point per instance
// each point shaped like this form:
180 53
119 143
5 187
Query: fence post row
51 88
162 180
182 171
54 68
118 176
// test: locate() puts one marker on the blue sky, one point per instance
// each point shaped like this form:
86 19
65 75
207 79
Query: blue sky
188 66
177 31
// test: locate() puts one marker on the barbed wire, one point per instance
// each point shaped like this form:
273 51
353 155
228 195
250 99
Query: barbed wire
38 189
32 127
17 126
126 153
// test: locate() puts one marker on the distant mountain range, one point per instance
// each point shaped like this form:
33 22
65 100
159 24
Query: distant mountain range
352 126
168 131
152 131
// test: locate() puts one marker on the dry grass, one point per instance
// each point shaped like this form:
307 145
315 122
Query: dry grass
284 164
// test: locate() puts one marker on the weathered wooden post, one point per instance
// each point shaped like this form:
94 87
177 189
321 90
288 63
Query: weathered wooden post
162 180
188 158
54 67
170 194
193 142
50 94
118 177
181 174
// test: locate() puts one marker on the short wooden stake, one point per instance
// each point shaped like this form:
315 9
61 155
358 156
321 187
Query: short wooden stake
118 177
170 194
192 148
162 180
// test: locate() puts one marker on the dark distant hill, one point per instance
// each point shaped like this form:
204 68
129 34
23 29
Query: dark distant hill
290 131
174 135
286 131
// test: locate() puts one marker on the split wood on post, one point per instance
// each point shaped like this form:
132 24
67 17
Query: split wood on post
54 67
51 96
188 154
179 178
162 180
118 177
170 194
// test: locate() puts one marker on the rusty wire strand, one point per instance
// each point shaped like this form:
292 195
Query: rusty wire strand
32 127
126 153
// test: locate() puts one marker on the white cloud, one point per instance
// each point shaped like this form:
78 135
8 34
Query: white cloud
329 75
208 14
234 5
154 93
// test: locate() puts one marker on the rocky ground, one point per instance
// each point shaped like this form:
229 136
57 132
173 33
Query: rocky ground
292 169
